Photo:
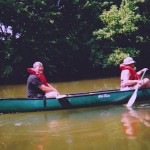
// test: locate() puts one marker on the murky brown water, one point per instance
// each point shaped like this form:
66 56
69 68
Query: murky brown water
64 87
98 128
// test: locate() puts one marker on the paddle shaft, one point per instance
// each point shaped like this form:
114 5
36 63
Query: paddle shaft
133 97
143 75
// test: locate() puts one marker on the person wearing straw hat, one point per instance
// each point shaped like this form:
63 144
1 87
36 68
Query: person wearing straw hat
37 86
130 78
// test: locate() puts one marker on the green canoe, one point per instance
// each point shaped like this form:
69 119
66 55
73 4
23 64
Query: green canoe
87 99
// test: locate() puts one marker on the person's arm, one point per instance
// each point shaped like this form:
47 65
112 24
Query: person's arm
52 87
141 71
47 89
36 82
125 75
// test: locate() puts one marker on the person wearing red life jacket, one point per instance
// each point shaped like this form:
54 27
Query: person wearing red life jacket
130 78
37 86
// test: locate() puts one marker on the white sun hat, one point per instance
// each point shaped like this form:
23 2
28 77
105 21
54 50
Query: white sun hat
38 63
128 61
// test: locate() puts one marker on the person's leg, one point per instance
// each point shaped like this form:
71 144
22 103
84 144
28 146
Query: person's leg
128 88
145 83
52 94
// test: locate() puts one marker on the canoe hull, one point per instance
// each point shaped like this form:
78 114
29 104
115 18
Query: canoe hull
88 99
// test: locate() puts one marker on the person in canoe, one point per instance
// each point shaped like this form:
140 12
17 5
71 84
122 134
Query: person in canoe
130 78
37 86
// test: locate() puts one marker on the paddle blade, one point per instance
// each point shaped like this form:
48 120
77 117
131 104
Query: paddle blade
132 99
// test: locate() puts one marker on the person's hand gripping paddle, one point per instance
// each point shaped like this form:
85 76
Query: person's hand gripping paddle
133 97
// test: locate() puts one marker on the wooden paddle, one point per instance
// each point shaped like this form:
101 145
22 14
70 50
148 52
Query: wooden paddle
133 97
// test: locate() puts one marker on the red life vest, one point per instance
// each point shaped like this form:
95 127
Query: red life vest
41 76
134 75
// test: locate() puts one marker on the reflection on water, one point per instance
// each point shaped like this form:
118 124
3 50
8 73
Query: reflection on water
86 128
132 118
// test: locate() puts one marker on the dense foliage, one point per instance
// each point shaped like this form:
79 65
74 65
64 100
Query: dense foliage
73 39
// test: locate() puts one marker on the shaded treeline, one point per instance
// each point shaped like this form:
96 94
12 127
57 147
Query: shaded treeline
73 38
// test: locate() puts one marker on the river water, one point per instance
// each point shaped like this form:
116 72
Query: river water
99 128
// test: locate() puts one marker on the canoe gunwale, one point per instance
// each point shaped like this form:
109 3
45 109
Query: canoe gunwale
76 100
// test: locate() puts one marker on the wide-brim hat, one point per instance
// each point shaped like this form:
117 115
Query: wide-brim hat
128 61
38 63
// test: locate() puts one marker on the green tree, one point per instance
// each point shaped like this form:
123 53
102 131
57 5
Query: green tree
119 32
73 39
